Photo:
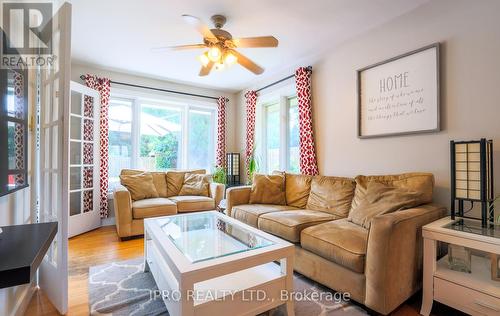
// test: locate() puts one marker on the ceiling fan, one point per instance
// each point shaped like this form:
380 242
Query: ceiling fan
222 46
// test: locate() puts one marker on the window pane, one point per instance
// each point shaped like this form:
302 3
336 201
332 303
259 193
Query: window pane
293 136
201 140
273 137
160 135
120 139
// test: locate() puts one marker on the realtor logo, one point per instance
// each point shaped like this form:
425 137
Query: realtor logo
27 27
27 35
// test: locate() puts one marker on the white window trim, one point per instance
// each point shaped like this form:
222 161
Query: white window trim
280 95
185 104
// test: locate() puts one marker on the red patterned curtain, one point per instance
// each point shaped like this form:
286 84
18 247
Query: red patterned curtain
308 163
101 85
251 102
220 159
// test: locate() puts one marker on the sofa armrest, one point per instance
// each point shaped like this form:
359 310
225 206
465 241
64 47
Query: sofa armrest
217 192
122 203
237 196
394 256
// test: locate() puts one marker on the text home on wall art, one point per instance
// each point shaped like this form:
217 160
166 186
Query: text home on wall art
400 95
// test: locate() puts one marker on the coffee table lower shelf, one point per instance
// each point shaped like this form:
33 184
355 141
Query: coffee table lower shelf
249 291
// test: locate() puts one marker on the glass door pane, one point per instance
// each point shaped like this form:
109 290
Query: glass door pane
75 153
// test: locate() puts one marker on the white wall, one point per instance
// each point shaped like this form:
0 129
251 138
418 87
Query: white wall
14 210
470 107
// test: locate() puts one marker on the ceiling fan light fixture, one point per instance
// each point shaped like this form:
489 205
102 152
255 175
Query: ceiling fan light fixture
230 59
214 54
219 66
204 60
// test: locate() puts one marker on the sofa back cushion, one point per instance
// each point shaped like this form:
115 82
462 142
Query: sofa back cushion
268 189
415 181
175 180
159 179
331 194
141 186
196 184
381 199
297 188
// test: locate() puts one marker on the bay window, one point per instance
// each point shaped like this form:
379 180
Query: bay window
272 137
293 135
160 137
201 139
120 137
278 132
157 135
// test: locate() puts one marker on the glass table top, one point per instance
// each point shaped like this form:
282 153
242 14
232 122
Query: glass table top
474 227
208 235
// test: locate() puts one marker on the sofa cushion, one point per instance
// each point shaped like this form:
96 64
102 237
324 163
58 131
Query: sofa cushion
153 207
175 179
332 195
159 179
381 199
141 186
416 181
249 213
297 188
339 241
289 224
187 203
196 184
268 189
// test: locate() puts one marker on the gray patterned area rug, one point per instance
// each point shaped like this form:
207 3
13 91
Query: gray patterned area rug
122 288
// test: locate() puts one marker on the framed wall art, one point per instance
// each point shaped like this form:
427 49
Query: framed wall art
400 95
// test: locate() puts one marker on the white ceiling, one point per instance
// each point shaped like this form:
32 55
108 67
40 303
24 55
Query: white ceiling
118 34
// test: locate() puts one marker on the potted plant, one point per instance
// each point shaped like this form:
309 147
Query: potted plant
219 175
495 202
253 166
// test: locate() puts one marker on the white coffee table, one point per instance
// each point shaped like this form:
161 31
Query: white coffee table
207 263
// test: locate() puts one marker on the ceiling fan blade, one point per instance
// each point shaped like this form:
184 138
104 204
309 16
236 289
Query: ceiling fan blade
260 41
205 70
200 27
247 63
179 47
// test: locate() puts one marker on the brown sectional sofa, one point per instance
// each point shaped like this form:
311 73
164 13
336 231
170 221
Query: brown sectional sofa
380 267
130 214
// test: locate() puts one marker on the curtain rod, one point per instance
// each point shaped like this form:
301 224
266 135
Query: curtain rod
279 81
158 89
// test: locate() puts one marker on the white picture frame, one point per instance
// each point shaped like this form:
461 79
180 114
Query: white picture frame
401 95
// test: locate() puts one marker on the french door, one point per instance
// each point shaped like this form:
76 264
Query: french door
84 144
52 185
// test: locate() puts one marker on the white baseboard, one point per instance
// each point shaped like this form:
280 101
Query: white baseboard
23 301
108 221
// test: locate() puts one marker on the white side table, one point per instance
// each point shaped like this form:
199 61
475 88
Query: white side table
473 293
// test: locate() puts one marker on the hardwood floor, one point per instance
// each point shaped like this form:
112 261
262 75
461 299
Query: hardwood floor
103 245
93 248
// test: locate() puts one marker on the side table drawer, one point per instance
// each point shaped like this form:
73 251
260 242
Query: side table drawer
465 299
